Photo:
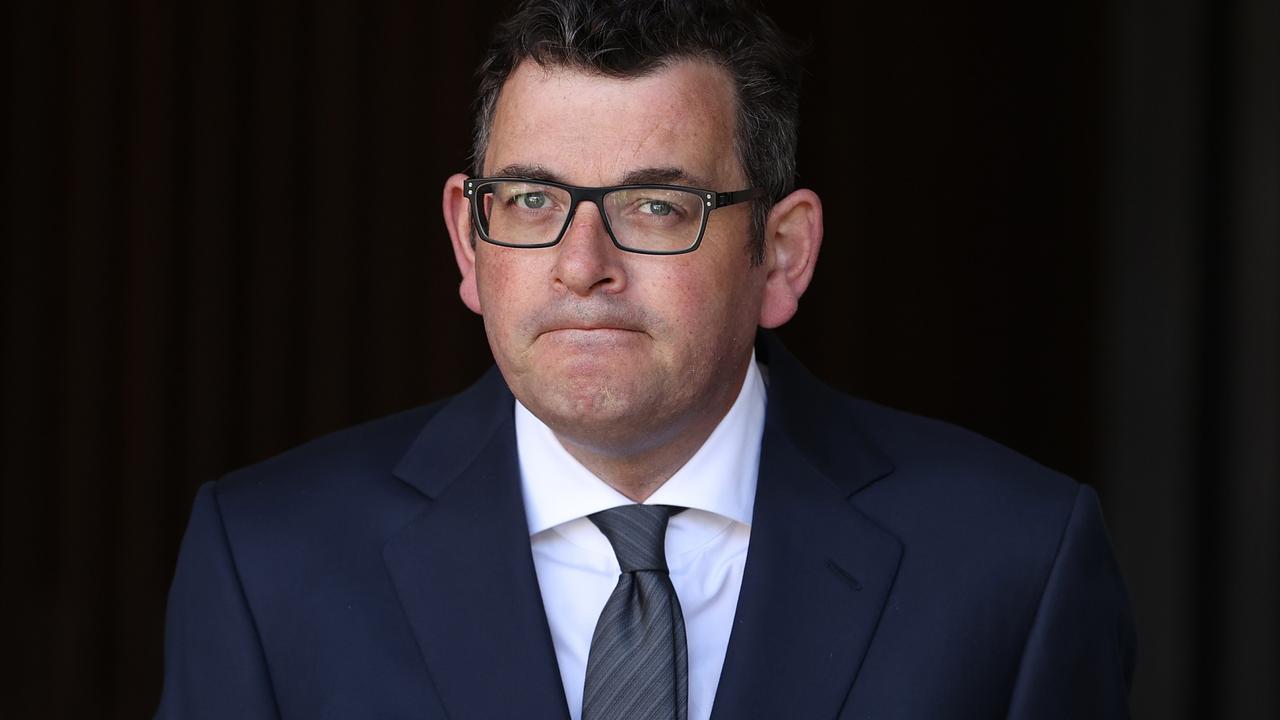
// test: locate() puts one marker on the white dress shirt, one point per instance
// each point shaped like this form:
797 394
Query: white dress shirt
706 544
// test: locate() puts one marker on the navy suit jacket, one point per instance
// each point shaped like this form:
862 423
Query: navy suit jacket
898 568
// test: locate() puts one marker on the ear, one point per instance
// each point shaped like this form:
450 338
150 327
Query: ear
792 238
457 217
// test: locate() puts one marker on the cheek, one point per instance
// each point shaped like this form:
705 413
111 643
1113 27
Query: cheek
711 306
737 294
502 276
505 295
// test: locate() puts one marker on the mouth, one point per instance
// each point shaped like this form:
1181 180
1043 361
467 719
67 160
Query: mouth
586 324
589 330
592 336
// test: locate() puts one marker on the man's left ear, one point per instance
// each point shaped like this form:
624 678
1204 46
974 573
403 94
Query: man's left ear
792 238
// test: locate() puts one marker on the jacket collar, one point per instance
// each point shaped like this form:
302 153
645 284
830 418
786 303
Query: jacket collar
818 421
456 435
810 414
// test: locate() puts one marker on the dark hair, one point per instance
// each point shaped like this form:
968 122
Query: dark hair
630 38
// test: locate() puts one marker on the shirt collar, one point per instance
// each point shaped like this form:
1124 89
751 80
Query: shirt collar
720 478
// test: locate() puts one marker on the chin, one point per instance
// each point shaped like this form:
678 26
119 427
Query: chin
589 398
586 404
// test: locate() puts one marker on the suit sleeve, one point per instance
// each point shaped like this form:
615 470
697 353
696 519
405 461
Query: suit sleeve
1079 655
214 665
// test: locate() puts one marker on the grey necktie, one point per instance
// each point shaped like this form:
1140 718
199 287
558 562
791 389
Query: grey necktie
638 666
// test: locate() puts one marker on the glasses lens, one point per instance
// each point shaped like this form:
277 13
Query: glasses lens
522 213
655 219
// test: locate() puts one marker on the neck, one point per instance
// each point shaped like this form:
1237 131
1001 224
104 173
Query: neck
637 475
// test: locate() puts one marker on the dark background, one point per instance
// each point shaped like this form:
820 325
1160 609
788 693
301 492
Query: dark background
1057 223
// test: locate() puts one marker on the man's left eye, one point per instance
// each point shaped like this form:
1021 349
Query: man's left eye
657 207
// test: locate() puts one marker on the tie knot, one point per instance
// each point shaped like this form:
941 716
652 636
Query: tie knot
638 534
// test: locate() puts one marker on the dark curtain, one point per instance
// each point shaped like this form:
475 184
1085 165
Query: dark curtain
1054 223
1188 347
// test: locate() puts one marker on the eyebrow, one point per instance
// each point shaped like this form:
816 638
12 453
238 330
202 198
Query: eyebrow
639 176
663 176
532 172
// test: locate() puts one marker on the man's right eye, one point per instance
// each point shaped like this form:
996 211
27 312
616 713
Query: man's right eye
530 200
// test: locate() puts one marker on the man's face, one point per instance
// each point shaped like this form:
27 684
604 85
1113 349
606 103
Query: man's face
617 351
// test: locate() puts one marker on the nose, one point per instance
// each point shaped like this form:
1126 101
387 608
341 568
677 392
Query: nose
588 261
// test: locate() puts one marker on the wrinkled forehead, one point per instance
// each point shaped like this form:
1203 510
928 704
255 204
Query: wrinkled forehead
593 129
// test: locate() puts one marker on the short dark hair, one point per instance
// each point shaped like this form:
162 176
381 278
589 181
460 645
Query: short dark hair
630 38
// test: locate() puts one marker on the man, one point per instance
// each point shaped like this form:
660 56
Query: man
648 509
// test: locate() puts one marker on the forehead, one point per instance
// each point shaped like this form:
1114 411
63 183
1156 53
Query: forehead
591 129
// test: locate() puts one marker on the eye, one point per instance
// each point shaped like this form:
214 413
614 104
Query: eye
657 207
530 200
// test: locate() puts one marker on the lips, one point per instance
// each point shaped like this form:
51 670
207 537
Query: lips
584 321
590 336
595 336
592 328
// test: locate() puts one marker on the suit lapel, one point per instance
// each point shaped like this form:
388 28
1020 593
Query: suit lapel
818 571
464 570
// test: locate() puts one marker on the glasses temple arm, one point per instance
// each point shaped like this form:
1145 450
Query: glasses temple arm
732 198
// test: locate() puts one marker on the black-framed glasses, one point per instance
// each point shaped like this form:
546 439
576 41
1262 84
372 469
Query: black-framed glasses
652 219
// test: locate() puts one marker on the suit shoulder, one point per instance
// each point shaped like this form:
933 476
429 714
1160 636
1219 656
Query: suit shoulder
959 494
372 446
353 477
917 442
343 479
